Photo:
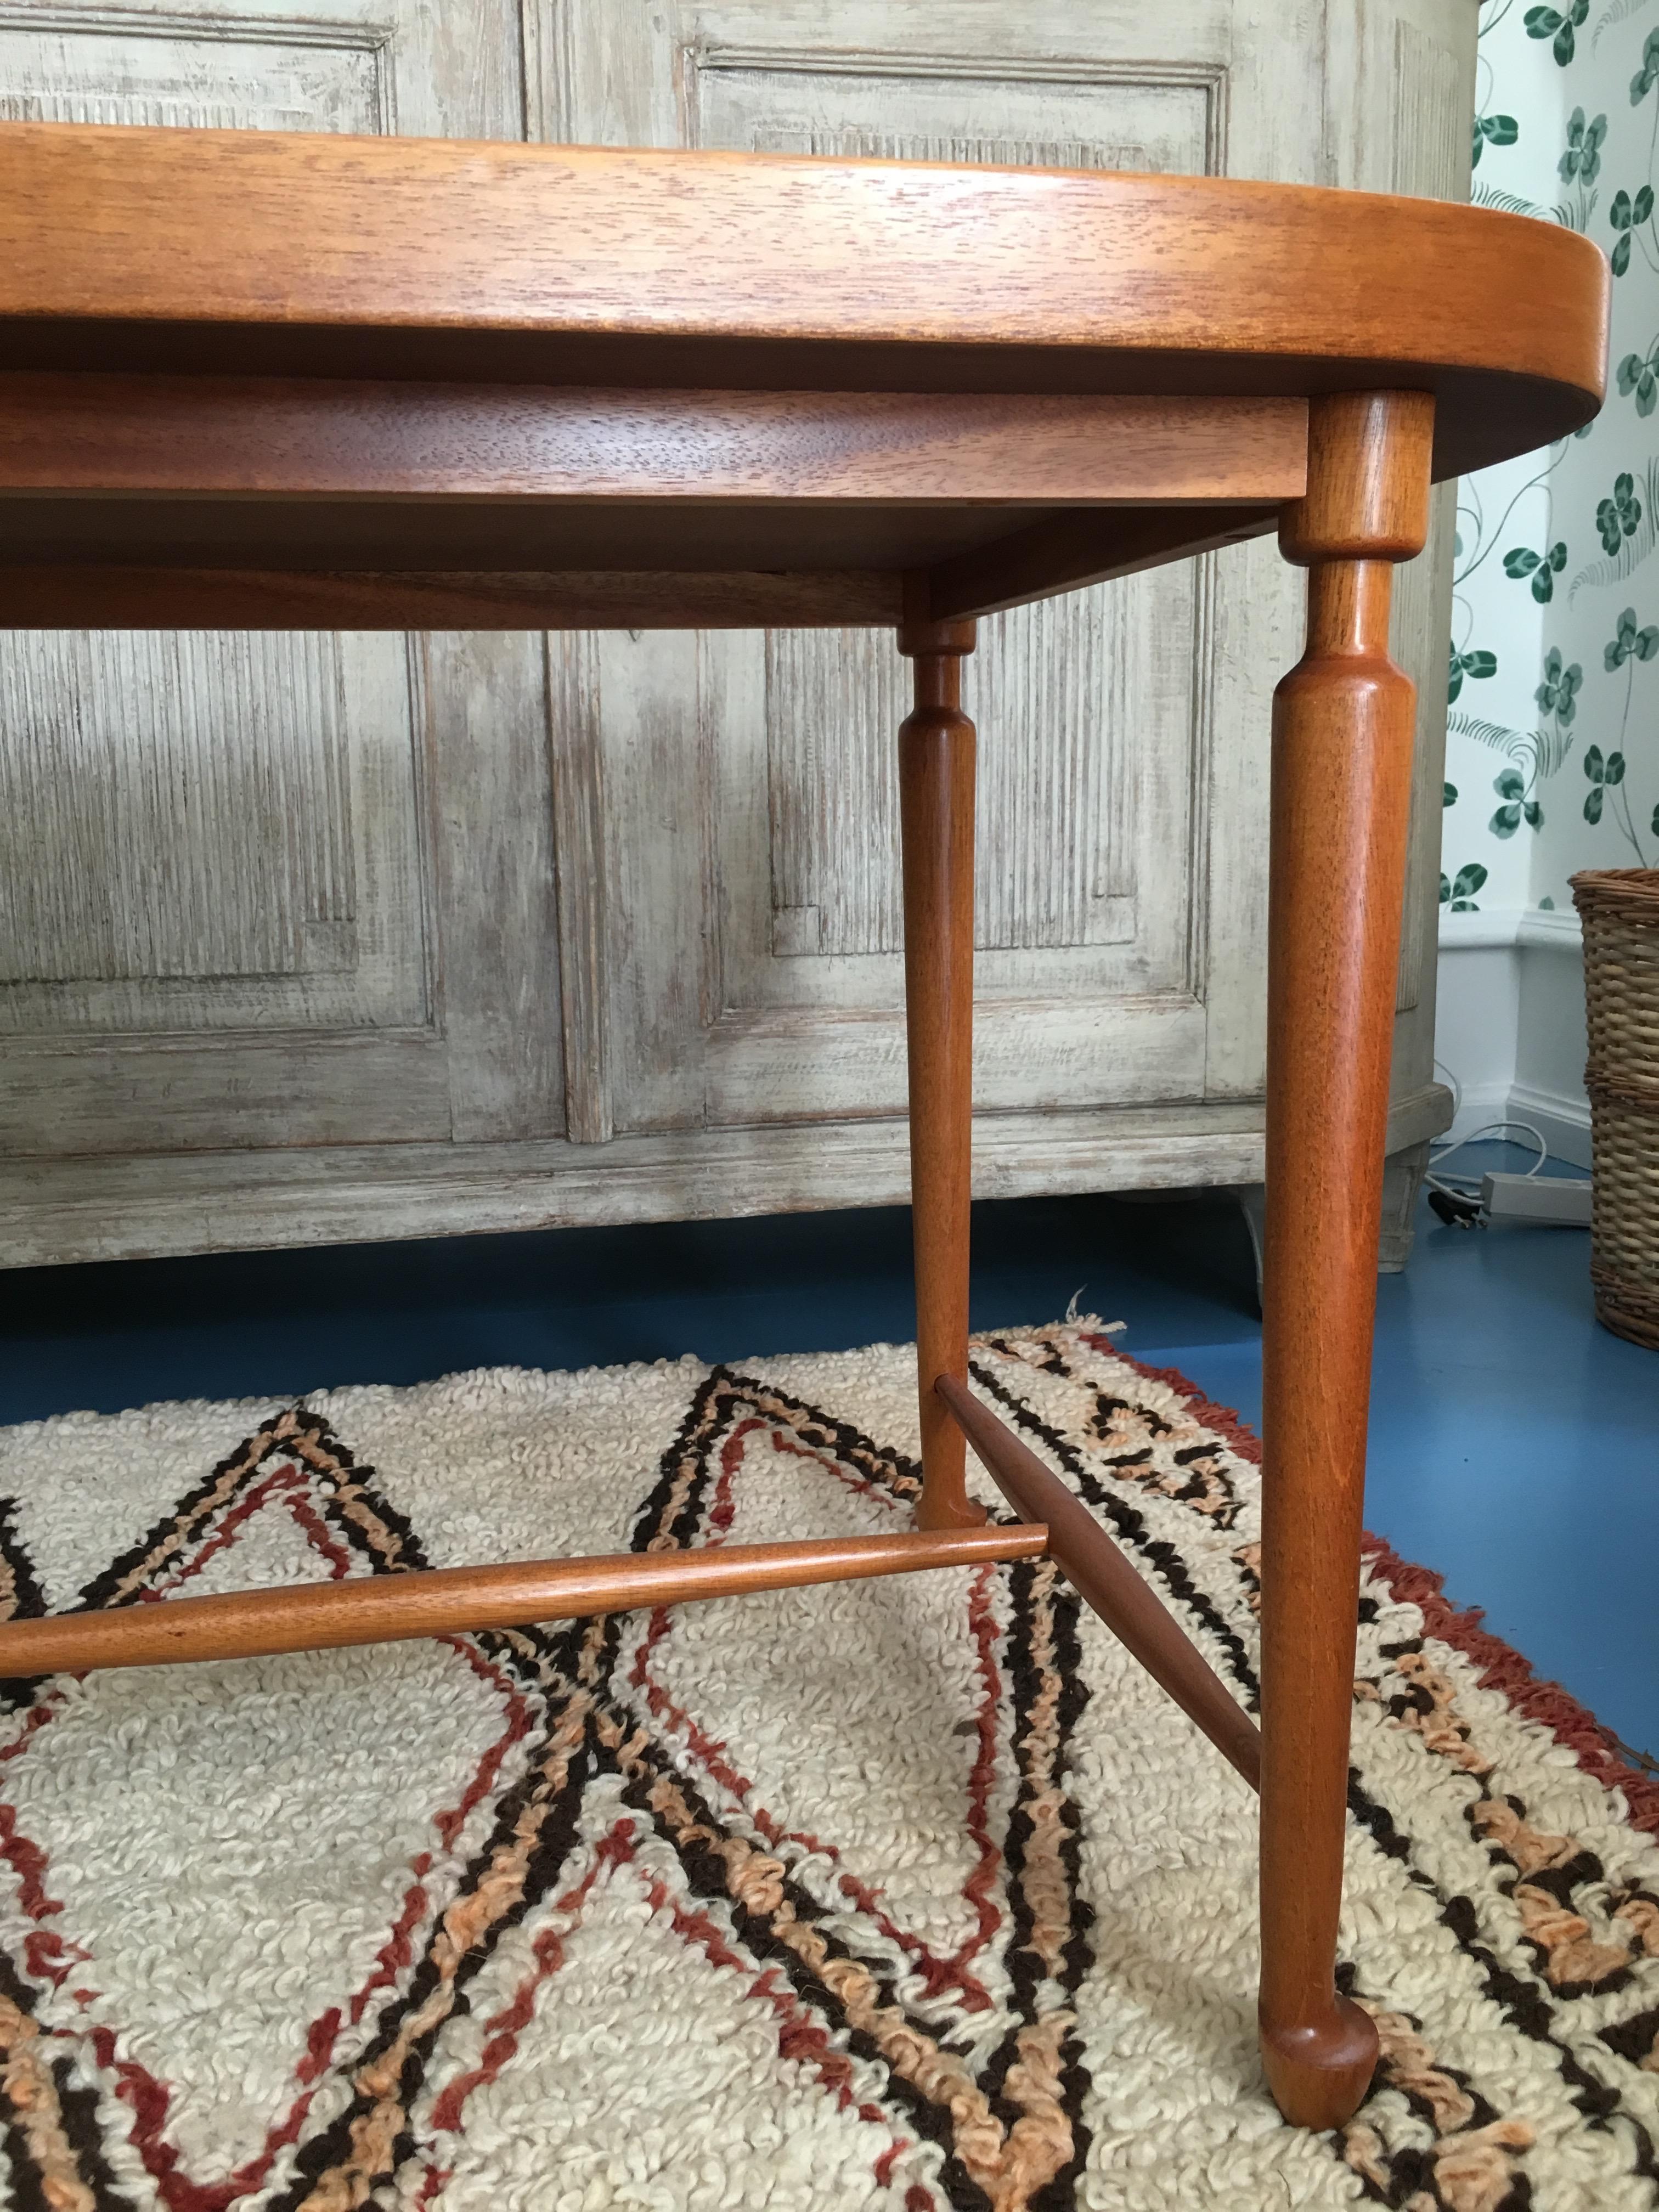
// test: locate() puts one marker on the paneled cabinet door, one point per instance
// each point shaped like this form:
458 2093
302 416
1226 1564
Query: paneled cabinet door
749 786
272 890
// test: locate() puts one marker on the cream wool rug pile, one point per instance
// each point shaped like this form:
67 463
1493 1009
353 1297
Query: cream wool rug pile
905 1894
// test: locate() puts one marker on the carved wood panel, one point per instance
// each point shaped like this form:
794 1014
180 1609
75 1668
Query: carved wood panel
218 847
207 69
1077 904
716 941
201 830
1056 858
117 745
746 788
1058 722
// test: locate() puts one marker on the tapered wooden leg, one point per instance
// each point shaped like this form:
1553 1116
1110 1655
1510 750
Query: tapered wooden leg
936 812
1341 777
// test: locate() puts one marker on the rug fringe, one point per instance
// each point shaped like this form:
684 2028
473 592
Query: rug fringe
1573 1725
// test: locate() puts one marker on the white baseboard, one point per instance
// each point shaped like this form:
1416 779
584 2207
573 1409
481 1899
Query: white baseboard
1563 1123
1483 930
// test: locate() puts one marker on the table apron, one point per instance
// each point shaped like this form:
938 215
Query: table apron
292 438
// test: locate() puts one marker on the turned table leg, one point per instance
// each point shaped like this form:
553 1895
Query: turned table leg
936 814
1341 779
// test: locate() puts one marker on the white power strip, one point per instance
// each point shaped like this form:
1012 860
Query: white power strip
1561 1201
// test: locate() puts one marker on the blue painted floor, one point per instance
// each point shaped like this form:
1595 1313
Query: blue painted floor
1514 1445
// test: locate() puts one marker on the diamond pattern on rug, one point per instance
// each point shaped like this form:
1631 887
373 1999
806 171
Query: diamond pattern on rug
907 1895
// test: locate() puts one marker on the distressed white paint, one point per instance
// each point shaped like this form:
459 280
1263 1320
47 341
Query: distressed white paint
338 1193
657 897
263 890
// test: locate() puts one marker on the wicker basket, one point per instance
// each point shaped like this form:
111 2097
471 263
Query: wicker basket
1619 908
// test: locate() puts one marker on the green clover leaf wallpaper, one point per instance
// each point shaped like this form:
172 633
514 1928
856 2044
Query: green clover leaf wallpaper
1554 661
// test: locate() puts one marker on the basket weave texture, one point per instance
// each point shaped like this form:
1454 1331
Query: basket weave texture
1620 908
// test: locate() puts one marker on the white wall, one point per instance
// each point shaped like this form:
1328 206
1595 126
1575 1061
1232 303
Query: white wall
1509 1023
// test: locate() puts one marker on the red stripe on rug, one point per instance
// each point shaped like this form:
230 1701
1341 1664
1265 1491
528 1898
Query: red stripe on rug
616 1848
940 1973
1595 1748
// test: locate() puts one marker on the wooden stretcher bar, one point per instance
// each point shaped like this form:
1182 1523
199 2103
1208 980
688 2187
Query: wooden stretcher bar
448 1600
1105 1581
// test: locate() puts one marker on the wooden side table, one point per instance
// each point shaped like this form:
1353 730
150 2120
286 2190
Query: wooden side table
286 381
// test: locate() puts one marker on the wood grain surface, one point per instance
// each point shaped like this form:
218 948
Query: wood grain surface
69 596
286 253
296 437
1064 552
1343 726
937 748
447 1600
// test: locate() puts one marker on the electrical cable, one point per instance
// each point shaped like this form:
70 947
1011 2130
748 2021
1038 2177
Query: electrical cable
1463 1185
1456 1198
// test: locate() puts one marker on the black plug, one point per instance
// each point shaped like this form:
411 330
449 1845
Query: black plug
1457 1212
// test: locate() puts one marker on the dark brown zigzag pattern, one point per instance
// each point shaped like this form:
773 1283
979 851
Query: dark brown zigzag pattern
1027 2100
1475 2167
1024 2143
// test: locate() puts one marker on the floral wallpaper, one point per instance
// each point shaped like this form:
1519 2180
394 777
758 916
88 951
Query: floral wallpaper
1552 740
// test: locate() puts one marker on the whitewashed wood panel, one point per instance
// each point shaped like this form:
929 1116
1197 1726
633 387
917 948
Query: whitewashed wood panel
185 797
97 1209
834 700
1055 856
586 872
166 1095
491 896
661 774
186 800
848 850
215 68
204 832
1083 927
925 109
189 764
1052 686
100 1209
1054 817
1430 148
212 842
663 899
1042 1055
1252 620
805 919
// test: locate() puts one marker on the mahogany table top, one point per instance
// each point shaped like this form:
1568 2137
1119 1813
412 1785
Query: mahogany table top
415 380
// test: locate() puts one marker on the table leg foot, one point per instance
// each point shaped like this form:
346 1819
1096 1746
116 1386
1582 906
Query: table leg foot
1319 2071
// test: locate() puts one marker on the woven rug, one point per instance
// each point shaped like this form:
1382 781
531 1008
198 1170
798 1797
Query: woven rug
905 1894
